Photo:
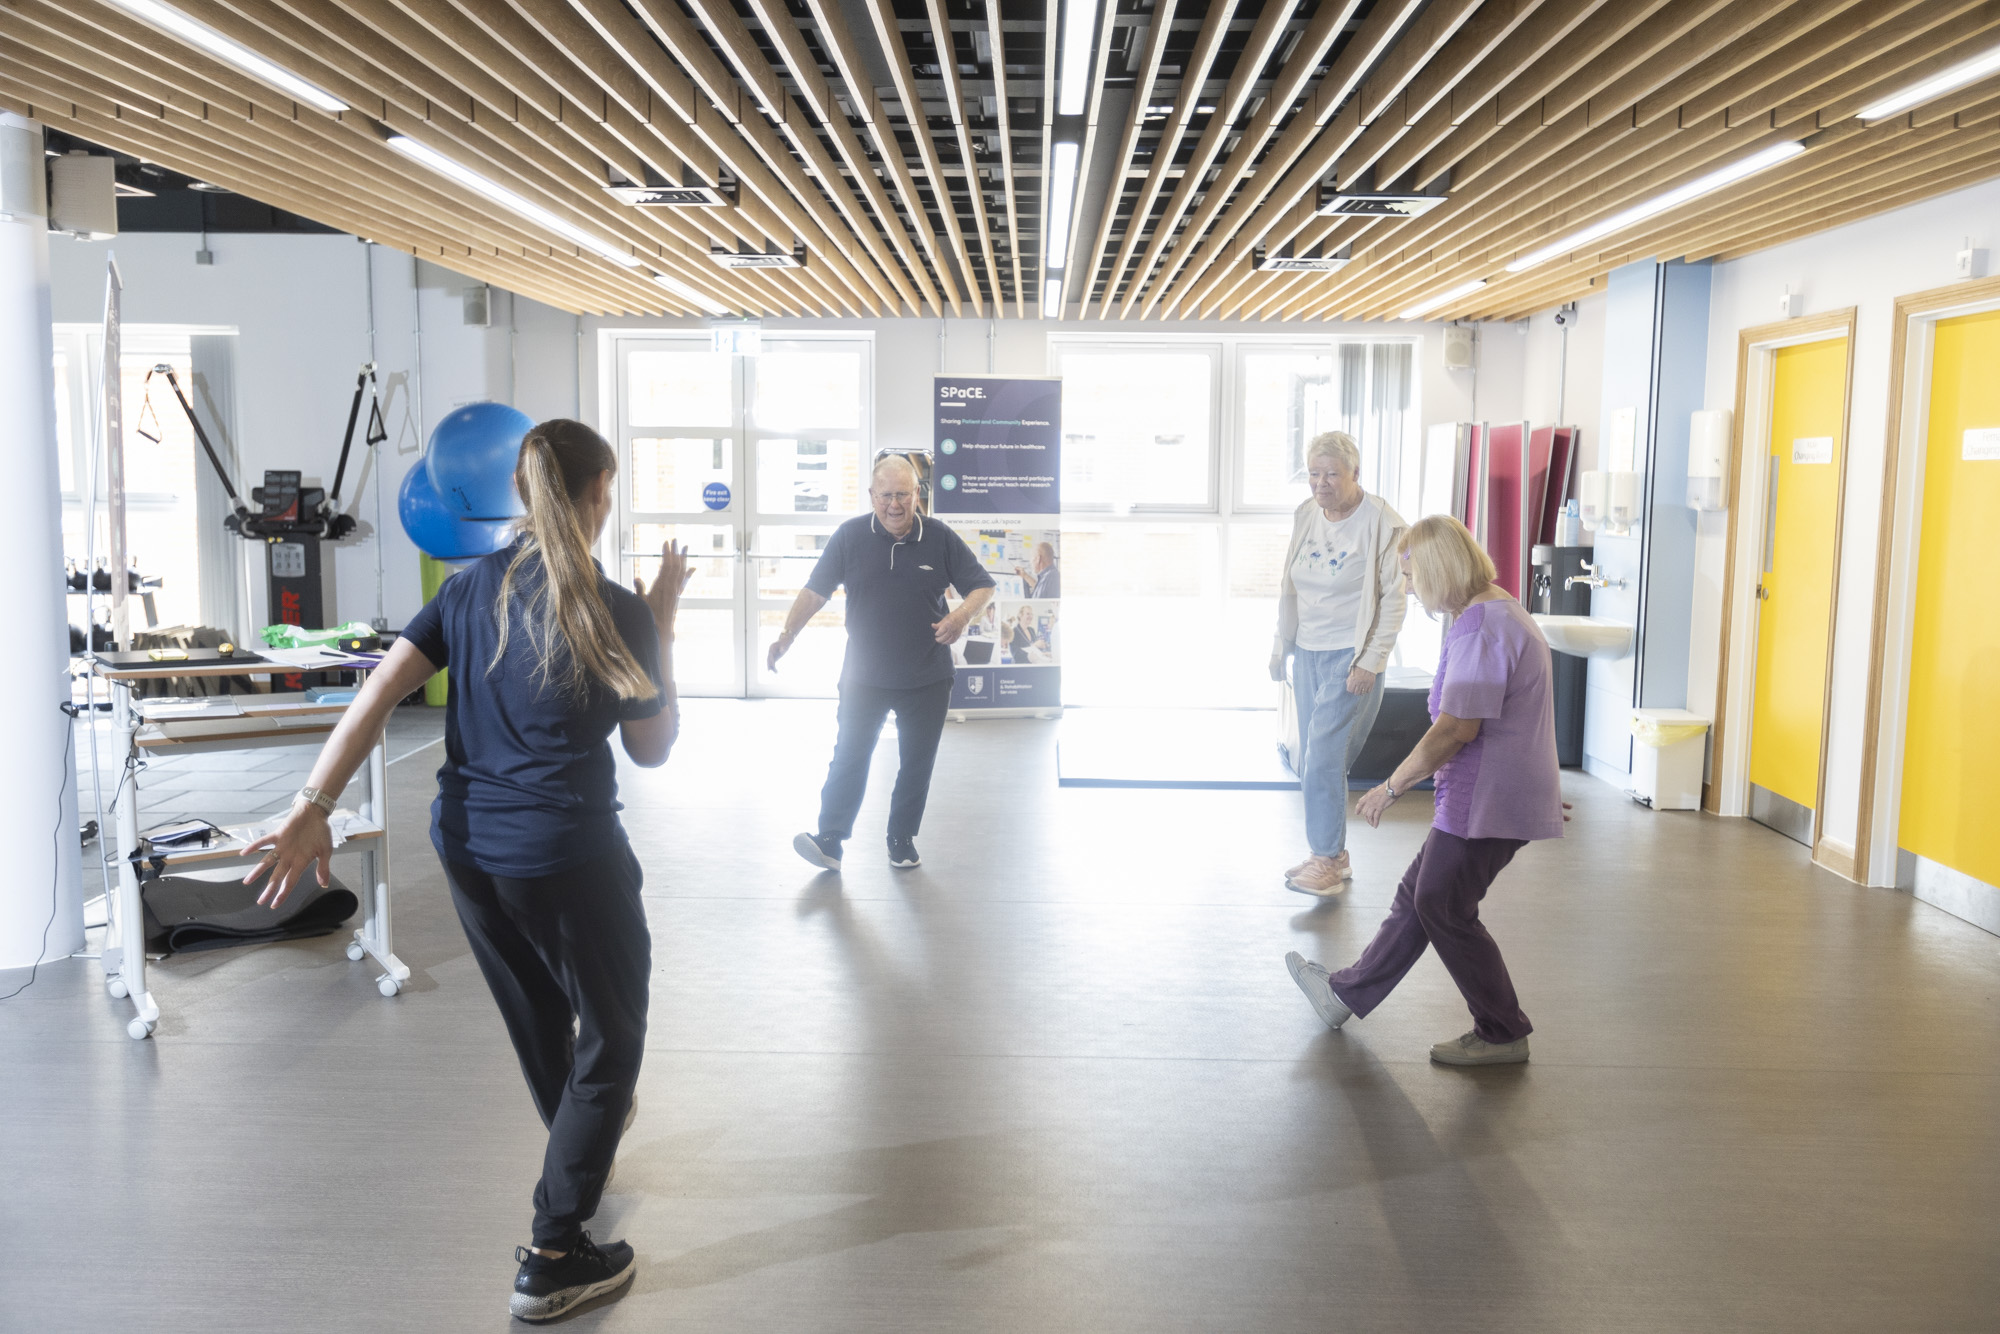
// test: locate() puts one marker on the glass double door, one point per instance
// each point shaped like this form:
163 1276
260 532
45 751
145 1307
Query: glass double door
752 462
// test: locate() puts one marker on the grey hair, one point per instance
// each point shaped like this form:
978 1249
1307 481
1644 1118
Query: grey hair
1338 445
895 461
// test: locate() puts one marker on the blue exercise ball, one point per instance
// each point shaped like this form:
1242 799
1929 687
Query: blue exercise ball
437 531
471 460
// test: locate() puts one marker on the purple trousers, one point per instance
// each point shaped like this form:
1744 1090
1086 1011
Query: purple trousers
1438 904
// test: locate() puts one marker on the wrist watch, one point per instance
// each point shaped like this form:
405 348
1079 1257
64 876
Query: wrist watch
312 796
1390 789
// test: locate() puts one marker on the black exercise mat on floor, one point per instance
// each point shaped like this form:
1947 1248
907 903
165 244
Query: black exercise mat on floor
183 915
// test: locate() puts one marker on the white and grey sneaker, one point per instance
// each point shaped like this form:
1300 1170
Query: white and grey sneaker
1312 980
1471 1049
821 852
545 1289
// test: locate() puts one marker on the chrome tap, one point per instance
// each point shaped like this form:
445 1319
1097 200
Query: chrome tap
1590 578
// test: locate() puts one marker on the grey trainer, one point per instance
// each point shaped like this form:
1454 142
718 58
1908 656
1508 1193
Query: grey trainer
1313 982
1471 1049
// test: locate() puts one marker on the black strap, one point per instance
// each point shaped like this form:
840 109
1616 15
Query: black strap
199 434
375 434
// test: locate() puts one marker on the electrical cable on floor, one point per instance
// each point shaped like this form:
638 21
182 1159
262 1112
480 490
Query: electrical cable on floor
55 853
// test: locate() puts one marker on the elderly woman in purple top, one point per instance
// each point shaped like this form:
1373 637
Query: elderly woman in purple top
1492 749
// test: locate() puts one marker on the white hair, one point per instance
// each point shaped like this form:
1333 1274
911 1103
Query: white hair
1337 445
895 461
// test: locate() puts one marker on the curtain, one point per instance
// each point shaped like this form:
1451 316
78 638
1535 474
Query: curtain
224 597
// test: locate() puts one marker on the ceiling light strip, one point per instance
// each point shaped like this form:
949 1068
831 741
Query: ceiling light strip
1079 27
1936 86
232 52
1062 198
1424 308
507 199
691 295
1694 189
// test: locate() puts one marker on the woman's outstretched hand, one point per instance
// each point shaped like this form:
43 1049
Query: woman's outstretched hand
303 839
663 599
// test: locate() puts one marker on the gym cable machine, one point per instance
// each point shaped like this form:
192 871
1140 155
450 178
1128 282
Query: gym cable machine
291 519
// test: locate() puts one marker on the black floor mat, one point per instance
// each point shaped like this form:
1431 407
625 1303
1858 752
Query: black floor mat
183 915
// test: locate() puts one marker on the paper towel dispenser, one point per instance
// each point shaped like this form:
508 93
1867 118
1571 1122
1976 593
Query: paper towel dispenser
1708 460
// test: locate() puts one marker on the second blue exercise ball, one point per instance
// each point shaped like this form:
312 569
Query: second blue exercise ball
436 530
471 460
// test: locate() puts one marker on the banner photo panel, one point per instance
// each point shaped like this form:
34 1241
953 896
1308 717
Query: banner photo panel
996 470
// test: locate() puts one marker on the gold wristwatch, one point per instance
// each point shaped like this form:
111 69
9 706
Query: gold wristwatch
312 796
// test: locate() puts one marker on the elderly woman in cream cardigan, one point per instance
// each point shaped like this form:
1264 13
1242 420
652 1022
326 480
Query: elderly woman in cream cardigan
1340 607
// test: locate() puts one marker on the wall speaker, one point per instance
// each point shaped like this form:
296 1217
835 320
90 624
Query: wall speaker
1460 353
83 196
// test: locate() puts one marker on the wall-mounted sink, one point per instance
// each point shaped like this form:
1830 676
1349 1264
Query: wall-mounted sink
1586 636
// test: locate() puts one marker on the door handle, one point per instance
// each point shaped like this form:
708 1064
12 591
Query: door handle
1763 593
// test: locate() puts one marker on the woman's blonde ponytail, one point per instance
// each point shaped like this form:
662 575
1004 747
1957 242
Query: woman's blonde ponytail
566 618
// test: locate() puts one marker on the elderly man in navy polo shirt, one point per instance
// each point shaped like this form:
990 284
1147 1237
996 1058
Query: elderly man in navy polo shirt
896 566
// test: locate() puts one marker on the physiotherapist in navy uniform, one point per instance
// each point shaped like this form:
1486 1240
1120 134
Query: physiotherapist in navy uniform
896 567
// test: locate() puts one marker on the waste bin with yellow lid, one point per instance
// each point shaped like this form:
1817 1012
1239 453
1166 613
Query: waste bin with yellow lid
1667 759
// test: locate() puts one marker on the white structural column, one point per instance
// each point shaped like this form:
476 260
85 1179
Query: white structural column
41 911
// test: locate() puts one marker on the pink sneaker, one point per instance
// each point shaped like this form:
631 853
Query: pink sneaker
1321 877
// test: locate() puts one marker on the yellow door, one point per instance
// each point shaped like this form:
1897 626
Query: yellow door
1951 751
1795 569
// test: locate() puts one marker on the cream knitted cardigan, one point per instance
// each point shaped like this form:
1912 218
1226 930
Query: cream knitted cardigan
1382 600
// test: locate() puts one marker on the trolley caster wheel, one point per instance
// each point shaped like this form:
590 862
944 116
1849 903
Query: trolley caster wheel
116 986
388 986
139 1030
355 953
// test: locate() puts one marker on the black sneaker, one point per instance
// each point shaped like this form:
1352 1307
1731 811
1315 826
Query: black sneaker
820 851
546 1288
903 852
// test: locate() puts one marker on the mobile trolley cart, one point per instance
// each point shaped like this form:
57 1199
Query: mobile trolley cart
263 721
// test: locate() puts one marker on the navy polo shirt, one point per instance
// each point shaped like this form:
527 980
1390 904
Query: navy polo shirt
895 594
529 786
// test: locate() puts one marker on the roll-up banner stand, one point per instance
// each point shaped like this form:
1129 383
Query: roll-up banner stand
996 478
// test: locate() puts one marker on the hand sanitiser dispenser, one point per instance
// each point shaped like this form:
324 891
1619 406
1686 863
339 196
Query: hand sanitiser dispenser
1708 460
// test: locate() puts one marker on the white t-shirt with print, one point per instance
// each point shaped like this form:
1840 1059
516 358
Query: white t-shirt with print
1328 573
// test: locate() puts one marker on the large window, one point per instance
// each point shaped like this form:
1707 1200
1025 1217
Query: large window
1139 428
1182 463
161 535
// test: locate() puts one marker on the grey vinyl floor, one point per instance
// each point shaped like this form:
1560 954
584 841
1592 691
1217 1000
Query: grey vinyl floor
1056 1079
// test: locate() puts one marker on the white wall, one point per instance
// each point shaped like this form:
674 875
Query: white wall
300 305
1868 265
1553 396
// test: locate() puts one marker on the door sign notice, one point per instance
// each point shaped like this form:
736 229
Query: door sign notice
1983 443
1812 449
715 495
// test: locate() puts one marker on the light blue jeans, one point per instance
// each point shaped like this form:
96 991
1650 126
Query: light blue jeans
1333 727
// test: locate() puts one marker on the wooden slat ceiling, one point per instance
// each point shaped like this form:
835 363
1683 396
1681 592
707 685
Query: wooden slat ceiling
902 143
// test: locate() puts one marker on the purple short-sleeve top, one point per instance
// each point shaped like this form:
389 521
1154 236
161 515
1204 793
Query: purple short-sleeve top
1495 667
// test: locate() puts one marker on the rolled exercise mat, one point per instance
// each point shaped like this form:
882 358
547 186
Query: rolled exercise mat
184 914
